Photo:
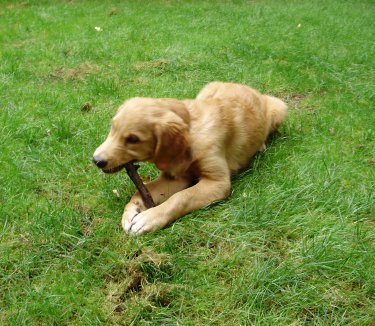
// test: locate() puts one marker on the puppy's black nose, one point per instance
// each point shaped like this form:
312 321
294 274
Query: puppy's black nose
100 163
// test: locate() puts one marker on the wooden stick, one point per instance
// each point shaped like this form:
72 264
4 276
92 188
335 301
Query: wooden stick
131 170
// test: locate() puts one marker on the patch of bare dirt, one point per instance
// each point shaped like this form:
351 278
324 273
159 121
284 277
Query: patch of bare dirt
137 283
21 43
294 100
78 72
17 5
161 63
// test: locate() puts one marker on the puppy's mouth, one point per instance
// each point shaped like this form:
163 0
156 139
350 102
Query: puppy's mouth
114 169
117 168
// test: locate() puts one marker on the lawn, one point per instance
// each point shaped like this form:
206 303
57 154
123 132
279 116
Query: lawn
294 242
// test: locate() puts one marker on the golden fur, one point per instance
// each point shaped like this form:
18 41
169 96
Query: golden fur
197 145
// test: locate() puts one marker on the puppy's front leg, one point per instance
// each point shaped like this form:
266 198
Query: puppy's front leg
160 189
205 192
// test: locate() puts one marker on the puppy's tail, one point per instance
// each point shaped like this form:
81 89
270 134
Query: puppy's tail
276 111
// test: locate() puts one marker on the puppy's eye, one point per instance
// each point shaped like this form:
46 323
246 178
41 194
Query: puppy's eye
132 139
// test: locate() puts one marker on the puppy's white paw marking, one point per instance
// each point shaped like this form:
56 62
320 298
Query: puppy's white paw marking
128 216
145 222
126 225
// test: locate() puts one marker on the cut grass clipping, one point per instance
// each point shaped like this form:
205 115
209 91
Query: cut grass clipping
292 245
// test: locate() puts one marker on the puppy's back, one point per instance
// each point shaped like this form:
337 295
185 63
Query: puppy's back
275 108
249 117
220 90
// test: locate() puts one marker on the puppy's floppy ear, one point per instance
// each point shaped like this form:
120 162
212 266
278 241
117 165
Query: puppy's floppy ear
172 137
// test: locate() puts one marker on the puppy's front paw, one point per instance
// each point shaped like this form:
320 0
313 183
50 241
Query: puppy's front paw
147 221
128 216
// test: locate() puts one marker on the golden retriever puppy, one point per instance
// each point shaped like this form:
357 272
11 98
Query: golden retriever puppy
196 144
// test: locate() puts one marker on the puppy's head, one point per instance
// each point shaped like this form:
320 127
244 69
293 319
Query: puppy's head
146 129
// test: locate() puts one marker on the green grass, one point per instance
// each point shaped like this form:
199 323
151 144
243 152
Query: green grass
292 245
